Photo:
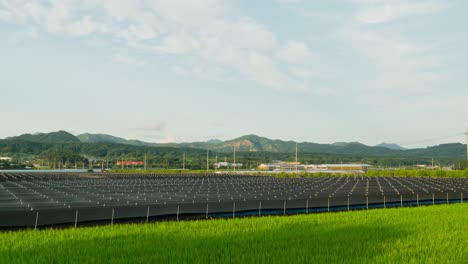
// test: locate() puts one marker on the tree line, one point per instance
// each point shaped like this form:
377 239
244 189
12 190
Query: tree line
84 154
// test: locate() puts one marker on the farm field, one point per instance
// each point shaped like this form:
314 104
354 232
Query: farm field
427 234
74 199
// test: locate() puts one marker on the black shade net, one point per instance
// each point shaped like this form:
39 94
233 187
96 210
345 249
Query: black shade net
47 199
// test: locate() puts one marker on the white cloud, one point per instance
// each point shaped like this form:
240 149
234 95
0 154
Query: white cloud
55 16
400 64
262 69
178 43
129 60
189 12
86 26
375 12
294 52
204 29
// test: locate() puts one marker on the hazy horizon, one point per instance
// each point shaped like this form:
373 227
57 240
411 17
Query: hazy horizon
370 71
408 146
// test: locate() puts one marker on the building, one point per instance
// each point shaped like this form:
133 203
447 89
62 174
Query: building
297 166
337 168
129 162
281 166
428 167
5 158
227 165
267 167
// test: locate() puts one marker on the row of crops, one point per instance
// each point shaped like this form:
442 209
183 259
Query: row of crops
43 199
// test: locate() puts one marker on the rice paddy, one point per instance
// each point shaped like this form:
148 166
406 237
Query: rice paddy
426 234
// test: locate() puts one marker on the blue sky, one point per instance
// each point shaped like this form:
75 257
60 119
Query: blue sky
169 70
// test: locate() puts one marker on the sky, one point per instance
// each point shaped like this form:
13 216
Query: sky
190 70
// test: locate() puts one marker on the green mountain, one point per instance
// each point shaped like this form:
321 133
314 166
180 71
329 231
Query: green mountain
53 137
390 146
455 150
94 138
251 144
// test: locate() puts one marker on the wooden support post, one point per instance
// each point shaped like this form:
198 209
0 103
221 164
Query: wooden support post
307 206
76 218
284 208
234 210
112 220
461 197
433 199
37 219
206 216
147 214
328 206
178 213
367 202
401 200
417 199
384 202
447 198
348 203
259 208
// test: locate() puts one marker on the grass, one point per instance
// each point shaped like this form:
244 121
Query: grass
433 234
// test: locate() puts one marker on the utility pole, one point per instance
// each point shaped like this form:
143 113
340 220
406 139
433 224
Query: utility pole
234 158
207 158
432 163
183 161
296 156
145 162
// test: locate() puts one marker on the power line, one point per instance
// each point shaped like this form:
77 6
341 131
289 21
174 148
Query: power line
430 139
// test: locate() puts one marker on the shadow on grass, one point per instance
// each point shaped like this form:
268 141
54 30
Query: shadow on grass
298 243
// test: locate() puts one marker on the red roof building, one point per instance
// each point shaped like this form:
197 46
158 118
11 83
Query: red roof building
129 162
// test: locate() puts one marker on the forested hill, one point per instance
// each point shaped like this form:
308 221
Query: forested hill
53 137
95 138
105 145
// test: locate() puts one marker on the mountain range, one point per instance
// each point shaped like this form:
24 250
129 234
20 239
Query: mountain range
247 143
390 146
254 143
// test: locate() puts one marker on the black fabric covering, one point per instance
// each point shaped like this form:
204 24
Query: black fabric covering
47 199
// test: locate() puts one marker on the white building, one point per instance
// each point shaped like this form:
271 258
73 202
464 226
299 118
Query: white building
296 166
337 168
227 165
281 166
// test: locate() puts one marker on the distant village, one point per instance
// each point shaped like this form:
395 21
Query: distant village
274 166
282 166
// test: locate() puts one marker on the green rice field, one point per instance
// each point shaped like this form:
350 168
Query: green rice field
430 234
